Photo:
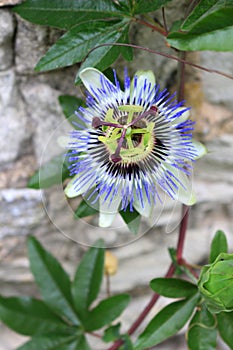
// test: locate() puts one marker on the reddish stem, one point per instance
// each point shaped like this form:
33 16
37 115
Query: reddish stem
144 313
182 233
155 28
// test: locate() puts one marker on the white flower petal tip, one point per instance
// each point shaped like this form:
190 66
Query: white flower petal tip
146 210
106 219
183 117
147 75
92 79
200 149
73 189
70 191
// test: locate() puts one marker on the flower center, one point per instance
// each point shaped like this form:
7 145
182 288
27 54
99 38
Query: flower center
127 133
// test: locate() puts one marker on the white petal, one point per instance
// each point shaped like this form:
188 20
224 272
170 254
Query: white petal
106 219
142 76
91 79
146 210
182 118
74 189
200 149
108 211
184 193
147 75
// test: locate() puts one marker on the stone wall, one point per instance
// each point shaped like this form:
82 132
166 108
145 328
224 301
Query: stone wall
30 113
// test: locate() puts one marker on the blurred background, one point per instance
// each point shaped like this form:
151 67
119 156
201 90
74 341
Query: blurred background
30 112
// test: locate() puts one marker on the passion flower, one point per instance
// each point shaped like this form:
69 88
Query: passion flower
130 145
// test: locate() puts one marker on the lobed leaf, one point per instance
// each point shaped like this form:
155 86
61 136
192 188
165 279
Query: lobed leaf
66 14
87 280
29 316
103 56
53 281
173 287
202 332
166 323
74 45
106 312
53 342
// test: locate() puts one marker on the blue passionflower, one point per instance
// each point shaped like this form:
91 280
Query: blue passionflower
130 145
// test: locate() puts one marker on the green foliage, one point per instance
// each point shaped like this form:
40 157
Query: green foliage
69 105
218 245
73 46
53 172
202 332
173 287
107 311
225 327
29 316
84 210
59 321
167 322
132 219
216 283
208 27
141 6
53 281
66 14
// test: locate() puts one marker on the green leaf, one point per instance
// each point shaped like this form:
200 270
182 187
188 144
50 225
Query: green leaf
132 219
53 281
88 279
101 62
127 345
112 333
209 26
66 14
142 6
217 40
166 323
102 57
69 105
84 210
53 342
202 332
126 51
218 245
106 312
74 46
173 287
208 16
29 316
53 172
225 327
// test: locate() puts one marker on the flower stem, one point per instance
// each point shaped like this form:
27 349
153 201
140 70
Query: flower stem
156 28
182 233
144 313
